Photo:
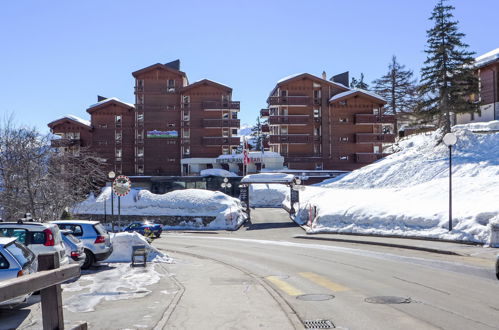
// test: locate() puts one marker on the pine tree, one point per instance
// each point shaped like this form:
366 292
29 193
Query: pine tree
361 84
447 80
258 135
398 87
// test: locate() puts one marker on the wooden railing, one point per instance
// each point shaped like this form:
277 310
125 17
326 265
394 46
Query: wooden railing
264 112
48 281
291 138
56 143
374 138
289 100
218 141
216 105
221 123
289 120
365 118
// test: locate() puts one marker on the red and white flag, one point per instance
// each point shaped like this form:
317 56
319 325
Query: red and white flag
246 158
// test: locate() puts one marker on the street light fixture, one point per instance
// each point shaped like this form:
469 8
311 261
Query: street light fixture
450 139
226 184
111 175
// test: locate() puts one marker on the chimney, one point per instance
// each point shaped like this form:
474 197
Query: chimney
324 75
101 98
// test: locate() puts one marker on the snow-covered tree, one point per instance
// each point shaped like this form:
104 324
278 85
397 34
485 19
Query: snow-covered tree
398 87
448 81
360 83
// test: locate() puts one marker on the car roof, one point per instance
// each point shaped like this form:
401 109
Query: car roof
6 240
79 222
26 223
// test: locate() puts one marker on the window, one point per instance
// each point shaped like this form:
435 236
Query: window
376 111
225 115
376 149
16 232
186 100
234 115
225 150
317 94
317 131
317 149
140 84
343 157
77 135
186 116
171 141
171 124
343 102
118 153
284 130
140 117
102 143
4 264
234 131
273 111
225 132
117 120
343 139
140 152
343 120
225 101
118 136
171 85
285 111
187 151
284 93
140 169
171 160
140 136
318 166
186 133
102 125
317 113
284 149
140 99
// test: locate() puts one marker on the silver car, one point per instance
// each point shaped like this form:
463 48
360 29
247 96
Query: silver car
95 238
74 247
15 260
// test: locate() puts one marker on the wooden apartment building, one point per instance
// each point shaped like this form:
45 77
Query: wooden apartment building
319 124
169 121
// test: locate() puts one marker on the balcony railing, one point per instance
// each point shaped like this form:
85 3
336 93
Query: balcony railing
289 100
364 118
216 105
221 123
265 128
374 138
57 143
264 112
291 138
218 141
289 120
368 157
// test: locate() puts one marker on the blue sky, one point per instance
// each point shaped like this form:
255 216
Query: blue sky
58 55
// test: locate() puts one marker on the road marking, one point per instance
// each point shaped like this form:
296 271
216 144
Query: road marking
284 286
322 281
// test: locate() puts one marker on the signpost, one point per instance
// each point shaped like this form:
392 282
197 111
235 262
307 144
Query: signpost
244 197
121 187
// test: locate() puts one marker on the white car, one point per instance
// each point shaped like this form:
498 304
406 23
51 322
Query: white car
39 237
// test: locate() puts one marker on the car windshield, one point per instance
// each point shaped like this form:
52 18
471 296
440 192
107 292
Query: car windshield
21 253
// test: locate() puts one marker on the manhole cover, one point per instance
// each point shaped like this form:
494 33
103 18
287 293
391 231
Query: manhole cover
388 300
315 297
318 324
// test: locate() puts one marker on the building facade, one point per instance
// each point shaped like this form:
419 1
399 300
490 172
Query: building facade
320 124
170 120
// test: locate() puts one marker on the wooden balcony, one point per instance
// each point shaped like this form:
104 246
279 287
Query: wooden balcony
364 118
291 138
265 128
289 120
210 123
218 141
368 157
58 143
216 105
264 113
374 138
289 100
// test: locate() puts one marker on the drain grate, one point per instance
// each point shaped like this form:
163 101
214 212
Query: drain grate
315 297
388 300
318 324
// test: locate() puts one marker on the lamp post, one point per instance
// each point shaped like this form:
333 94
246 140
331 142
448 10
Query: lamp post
226 184
450 139
111 176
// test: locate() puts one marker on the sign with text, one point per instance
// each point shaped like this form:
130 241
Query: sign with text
162 134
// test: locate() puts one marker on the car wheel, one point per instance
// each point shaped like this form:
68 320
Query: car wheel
89 259
157 235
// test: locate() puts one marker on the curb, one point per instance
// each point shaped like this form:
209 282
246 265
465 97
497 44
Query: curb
401 246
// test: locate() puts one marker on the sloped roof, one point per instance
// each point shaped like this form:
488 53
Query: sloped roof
356 92
114 100
72 118
487 58
309 76
203 82
168 67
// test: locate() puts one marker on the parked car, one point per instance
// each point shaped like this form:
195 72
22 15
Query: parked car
497 267
39 237
95 238
145 228
74 247
15 260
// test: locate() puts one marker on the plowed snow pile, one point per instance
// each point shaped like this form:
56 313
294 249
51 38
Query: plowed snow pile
407 193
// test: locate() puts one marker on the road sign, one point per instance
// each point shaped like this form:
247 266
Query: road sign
122 185
295 196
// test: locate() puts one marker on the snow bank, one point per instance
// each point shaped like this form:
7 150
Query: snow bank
227 211
122 248
217 172
407 193
268 195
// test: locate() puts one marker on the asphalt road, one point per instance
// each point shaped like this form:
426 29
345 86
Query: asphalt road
263 277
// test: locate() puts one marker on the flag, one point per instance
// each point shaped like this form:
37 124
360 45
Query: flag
246 159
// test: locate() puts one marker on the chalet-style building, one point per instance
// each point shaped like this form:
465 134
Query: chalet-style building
171 120
320 124
487 67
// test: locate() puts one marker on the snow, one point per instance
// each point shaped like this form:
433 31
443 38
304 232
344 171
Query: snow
217 172
252 155
122 248
111 99
486 58
78 119
268 178
268 195
406 193
289 77
355 90
188 202
245 131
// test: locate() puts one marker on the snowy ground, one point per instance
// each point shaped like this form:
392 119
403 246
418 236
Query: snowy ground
227 210
268 195
407 193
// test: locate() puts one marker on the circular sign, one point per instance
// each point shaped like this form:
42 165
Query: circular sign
450 139
122 185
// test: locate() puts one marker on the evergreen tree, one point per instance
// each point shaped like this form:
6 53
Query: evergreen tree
258 135
448 80
361 84
398 87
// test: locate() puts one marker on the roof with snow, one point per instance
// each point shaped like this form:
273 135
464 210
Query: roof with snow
354 92
71 118
309 76
204 82
487 58
114 100
269 178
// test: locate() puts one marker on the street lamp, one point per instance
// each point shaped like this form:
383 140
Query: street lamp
226 184
450 139
111 175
